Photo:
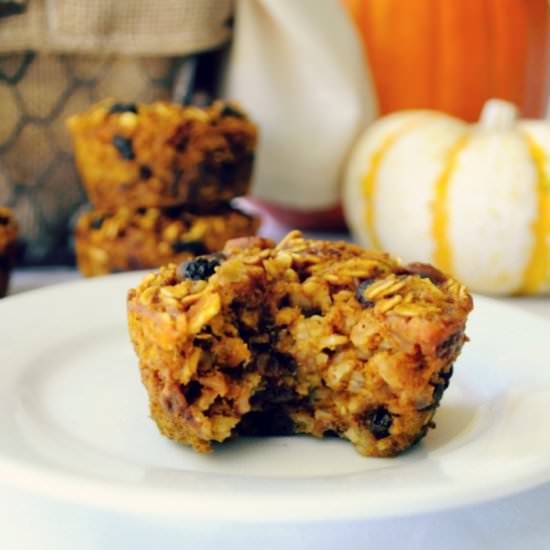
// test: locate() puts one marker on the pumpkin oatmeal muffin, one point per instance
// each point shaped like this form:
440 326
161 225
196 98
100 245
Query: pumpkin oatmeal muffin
307 336
8 236
162 154
144 238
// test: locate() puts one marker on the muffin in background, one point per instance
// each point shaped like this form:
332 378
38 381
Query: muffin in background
143 238
8 236
162 154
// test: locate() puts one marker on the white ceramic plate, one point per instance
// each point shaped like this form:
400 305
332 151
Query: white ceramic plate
74 424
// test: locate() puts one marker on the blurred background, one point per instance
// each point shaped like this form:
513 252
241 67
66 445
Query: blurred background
312 74
376 122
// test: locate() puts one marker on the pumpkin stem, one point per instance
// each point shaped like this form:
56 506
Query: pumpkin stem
498 114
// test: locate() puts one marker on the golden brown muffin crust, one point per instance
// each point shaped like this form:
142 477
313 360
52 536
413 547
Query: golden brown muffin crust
129 239
163 154
307 336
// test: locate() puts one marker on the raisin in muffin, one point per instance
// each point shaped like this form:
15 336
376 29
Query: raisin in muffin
162 154
128 239
8 236
307 336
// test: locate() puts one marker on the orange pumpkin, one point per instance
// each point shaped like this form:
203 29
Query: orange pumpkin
453 55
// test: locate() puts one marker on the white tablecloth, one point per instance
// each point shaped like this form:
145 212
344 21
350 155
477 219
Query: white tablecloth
37 523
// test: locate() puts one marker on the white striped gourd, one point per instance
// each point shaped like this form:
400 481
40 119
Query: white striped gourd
472 199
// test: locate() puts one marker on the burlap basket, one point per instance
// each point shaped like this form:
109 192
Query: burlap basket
57 57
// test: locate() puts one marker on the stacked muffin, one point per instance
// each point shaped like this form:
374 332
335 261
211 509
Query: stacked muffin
160 178
8 236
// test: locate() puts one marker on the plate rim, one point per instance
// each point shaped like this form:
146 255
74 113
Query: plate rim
161 502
